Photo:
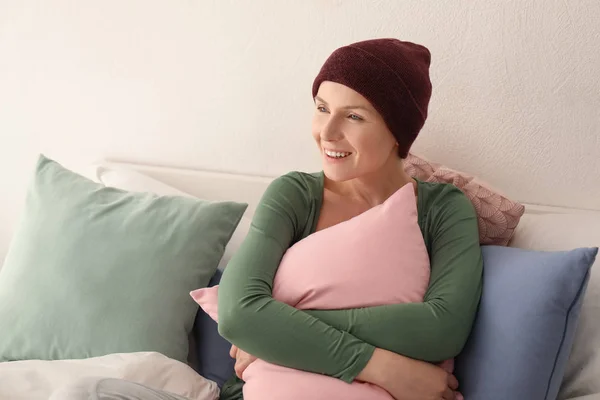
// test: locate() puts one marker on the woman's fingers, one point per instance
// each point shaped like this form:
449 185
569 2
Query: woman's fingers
242 361
239 369
233 351
449 394
452 382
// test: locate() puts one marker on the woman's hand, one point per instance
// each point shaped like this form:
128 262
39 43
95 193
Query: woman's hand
242 360
408 379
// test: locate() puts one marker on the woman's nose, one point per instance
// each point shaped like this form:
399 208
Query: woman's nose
331 130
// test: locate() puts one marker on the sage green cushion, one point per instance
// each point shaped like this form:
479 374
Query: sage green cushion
93 270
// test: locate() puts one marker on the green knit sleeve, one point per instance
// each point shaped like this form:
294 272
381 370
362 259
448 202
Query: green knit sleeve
251 319
437 328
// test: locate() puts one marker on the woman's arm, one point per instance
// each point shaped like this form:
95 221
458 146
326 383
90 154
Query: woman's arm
436 329
251 319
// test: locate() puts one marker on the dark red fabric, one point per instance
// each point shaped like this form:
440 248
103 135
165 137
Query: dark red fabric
393 75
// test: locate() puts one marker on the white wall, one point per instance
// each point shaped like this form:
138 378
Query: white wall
225 85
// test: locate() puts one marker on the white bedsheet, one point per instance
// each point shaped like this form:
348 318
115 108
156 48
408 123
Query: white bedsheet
35 379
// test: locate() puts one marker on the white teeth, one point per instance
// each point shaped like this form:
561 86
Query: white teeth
336 154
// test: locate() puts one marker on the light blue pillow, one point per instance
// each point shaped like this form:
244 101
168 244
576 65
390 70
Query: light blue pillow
523 333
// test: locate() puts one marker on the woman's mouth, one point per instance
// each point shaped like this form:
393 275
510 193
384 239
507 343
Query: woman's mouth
336 154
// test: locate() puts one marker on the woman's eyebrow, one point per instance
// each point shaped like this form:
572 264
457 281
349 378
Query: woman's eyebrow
345 107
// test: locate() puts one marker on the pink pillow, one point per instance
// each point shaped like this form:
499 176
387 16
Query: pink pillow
497 215
376 258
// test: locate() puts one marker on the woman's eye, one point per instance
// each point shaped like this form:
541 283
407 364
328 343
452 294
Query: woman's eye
355 117
322 109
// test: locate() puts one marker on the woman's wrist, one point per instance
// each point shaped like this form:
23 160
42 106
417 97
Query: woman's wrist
379 365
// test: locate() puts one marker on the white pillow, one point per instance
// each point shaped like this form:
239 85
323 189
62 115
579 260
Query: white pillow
565 232
133 181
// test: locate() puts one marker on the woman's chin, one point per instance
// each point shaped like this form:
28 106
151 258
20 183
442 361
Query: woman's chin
339 169
338 174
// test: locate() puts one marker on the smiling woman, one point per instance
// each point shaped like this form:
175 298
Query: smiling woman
371 100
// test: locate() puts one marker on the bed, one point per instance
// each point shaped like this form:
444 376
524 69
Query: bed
541 228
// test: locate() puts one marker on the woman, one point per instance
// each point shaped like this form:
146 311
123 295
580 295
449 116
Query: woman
371 100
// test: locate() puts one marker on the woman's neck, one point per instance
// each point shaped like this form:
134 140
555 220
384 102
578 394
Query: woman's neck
373 189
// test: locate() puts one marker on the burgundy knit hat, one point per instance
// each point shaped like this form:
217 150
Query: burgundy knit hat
393 75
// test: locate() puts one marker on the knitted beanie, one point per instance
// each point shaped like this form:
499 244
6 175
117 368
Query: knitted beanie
393 75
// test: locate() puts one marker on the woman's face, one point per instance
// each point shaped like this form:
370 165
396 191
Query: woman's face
353 138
